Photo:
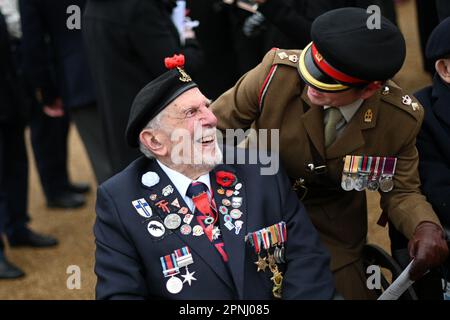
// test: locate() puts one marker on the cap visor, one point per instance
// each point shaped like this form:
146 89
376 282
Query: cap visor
314 77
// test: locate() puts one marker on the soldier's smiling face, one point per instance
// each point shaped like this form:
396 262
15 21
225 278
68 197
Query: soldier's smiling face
337 99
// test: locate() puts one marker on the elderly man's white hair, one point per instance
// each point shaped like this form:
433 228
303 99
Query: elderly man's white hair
155 123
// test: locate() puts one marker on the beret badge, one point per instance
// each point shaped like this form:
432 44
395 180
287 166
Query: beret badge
177 61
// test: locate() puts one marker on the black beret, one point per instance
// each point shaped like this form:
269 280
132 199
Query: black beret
153 98
345 53
438 45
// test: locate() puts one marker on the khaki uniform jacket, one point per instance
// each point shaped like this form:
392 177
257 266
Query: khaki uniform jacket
340 216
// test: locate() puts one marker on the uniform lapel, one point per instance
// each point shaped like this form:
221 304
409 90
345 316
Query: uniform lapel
234 243
313 122
352 137
200 245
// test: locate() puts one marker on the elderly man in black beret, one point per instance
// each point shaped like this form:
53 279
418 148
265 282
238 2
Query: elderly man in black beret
344 128
179 224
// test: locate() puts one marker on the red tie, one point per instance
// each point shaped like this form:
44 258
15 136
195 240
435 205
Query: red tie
198 192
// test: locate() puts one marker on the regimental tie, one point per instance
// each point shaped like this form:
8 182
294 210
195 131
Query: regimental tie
207 215
334 117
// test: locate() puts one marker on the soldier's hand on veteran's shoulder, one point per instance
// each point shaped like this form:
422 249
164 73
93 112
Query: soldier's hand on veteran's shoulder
428 248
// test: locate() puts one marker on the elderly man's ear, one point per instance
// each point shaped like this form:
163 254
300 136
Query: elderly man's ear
443 69
152 141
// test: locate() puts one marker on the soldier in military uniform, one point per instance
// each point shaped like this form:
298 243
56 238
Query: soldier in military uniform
344 127
198 229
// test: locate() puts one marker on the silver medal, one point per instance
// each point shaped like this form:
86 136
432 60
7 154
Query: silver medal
174 285
172 221
372 185
386 183
282 255
348 184
360 183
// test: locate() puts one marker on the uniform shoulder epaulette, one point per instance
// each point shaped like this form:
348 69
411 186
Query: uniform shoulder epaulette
394 95
287 57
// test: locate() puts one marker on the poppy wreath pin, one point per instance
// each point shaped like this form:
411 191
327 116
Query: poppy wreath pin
177 61
225 179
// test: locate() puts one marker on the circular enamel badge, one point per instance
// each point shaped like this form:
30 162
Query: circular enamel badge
185 229
227 218
209 220
238 186
183 210
172 221
226 202
236 214
153 197
197 231
174 285
156 229
223 210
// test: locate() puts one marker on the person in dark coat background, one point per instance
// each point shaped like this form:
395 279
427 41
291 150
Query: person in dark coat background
293 18
127 42
215 35
72 85
13 163
53 67
433 141
429 14
433 145
284 24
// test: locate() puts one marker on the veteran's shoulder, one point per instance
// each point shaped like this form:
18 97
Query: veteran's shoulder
396 96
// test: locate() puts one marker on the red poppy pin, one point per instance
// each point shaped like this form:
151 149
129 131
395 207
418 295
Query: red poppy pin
225 179
177 61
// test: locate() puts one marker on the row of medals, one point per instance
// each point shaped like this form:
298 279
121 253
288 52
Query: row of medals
273 236
353 178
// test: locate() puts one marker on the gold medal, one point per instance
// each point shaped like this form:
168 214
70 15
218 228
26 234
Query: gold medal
262 264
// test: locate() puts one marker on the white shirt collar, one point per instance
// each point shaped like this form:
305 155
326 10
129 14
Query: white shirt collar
349 110
182 182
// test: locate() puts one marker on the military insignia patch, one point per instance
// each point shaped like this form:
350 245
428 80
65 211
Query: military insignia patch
143 208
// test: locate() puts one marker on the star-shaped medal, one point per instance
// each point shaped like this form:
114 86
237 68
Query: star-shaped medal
216 233
262 264
188 277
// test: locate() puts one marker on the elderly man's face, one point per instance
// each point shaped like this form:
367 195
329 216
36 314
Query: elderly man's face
187 131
